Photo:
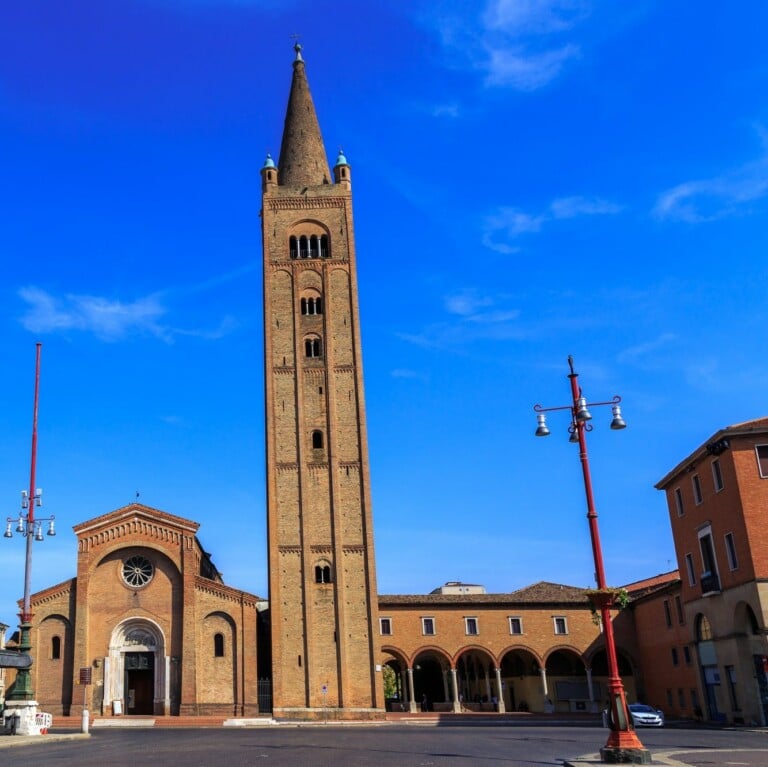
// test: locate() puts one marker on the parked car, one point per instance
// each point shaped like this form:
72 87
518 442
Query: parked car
644 715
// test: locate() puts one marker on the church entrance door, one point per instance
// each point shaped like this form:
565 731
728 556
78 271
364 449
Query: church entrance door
139 682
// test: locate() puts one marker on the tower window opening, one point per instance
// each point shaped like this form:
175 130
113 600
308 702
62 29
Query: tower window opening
324 250
317 440
323 574
293 246
303 246
312 305
218 645
312 347
55 648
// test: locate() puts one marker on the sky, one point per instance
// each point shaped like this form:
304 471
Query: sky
532 179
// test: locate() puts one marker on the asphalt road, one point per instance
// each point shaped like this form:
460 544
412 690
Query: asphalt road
385 745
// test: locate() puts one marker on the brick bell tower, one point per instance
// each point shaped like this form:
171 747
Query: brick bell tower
322 577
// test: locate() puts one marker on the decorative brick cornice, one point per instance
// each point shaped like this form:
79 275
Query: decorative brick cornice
321 549
289 549
358 549
228 593
285 467
306 203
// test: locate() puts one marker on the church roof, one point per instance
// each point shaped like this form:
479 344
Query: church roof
133 511
303 161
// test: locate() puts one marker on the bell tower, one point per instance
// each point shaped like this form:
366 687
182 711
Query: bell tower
322 577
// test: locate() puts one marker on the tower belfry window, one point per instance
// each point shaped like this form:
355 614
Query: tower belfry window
322 574
313 348
317 440
312 305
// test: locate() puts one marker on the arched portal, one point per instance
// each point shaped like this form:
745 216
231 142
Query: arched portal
521 681
136 671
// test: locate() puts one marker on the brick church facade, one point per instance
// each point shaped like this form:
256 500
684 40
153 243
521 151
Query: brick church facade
150 619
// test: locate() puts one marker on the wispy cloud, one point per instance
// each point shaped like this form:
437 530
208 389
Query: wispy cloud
713 198
642 351
471 316
506 224
112 319
727 194
107 319
522 44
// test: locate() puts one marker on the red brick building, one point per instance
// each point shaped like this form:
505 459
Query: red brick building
718 500
149 616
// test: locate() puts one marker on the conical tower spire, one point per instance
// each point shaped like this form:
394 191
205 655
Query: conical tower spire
303 161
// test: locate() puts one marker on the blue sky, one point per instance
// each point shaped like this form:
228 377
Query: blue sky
532 179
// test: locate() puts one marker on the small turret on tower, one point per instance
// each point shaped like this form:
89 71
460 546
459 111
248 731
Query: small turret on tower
341 171
268 173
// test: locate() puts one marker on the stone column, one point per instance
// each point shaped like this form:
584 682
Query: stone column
592 702
500 691
543 675
411 692
455 685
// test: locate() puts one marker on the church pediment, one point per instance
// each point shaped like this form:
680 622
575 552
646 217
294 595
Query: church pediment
132 522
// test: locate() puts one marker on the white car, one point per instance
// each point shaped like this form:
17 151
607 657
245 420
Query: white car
644 715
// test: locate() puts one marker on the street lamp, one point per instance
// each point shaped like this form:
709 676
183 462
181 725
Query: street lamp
623 743
22 697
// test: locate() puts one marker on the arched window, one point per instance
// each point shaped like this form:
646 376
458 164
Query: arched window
317 440
312 347
218 645
312 305
323 574
703 629
56 648
293 246
303 246
324 250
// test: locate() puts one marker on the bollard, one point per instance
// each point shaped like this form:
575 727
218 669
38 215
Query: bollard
85 721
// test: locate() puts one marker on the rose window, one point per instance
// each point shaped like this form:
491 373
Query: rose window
137 571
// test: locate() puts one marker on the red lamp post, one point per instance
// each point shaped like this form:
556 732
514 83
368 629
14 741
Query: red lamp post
31 527
622 745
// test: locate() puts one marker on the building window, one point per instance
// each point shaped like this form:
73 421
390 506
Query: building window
687 655
317 440
762 460
428 626
703 629
730 550
679 610
681 697
470 626
322 574
669 697
312 347
385 626
717 475
561 625
137 571
667 614
218 645
710 580
696 482
690 569
515 625
675 657
679 502
309 246
55 648
312 305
